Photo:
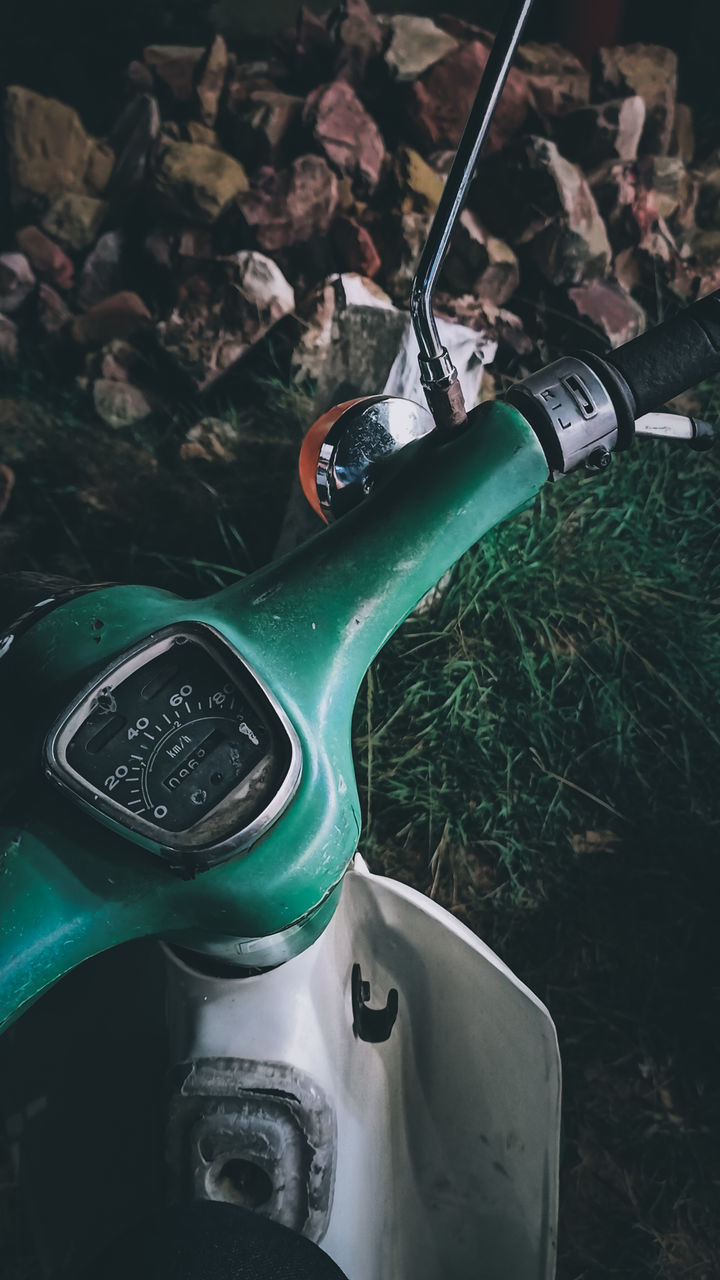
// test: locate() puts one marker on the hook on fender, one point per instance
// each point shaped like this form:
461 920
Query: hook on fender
371 1025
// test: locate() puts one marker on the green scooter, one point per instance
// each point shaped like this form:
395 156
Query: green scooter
358 1086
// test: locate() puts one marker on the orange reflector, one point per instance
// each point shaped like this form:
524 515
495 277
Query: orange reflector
310 452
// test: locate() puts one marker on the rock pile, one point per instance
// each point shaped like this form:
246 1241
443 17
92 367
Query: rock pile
231 193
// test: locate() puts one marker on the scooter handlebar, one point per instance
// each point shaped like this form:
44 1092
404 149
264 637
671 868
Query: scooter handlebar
584 406
673 356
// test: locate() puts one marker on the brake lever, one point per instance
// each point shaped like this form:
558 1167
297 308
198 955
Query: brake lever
699 435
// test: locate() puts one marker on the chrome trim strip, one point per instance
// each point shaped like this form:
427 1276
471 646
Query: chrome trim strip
186 850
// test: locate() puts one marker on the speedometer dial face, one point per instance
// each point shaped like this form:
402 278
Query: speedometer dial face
181 745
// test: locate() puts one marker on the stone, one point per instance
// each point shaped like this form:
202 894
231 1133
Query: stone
160 245
211 79
100 168
292 206
346 133
134 134
626 270
101 273
314 48
671 193
574 249
46 258
17 282
416 43
609 309
51 312
49 150
266 294
657 261
659 246
410 233
703 267
348 337
603 131
651 231
347 200
708 206
311 32
462 30
9 348
138 78
198 183
119 404
118 361
196 337
195 242
359 292
440 101
222 309
260 125
531 195
170 131
420 186
197 132
175 65
74 220
614 186
707 243
211 440
682 278
650 71
480 263
509 331
355 247
441 161
244 79
358 38
682 143
118 316
558 81
272 115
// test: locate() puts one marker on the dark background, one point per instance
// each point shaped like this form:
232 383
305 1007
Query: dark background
77 50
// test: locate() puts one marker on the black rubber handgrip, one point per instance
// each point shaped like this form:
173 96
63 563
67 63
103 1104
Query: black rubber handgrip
675 355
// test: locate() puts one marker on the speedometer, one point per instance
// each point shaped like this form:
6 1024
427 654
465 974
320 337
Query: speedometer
180 745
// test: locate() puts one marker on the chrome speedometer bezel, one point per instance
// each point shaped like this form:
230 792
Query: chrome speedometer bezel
195 847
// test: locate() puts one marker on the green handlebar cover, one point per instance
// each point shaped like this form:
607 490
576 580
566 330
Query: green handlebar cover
309 625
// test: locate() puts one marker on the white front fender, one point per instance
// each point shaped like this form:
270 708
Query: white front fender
446 1134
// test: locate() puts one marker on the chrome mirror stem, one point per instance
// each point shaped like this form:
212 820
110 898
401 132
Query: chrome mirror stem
438 373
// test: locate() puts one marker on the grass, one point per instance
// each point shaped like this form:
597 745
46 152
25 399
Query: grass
570 671
99 505
541 753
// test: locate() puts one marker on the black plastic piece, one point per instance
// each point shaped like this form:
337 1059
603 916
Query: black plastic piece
211 1240
704 437
371 1025
675 355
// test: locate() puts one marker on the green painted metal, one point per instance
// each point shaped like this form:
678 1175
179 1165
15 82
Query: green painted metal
310 625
